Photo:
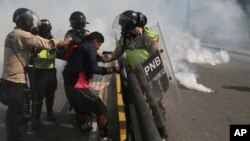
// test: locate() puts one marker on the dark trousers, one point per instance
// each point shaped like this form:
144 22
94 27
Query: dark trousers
86 101
44 86
17 116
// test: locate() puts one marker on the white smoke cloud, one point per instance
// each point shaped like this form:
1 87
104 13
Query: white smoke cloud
207 56
211 21
188 79
179 19
184 49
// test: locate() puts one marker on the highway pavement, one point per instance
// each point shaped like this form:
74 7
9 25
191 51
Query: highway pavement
197 116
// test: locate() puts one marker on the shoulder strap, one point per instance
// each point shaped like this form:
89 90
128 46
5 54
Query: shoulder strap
11 46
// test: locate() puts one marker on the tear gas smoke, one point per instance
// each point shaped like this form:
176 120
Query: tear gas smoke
186 49
207 20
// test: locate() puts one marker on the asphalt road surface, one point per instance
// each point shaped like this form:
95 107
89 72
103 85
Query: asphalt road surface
198 116
193 116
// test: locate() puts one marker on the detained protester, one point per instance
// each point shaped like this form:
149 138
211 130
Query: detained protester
44 77
138 42
17 52
80 67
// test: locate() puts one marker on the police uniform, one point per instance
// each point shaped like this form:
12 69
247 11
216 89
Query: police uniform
15 80
137 49
45 81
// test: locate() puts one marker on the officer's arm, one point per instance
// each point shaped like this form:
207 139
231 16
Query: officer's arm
62 44
93 66
119 50
28 39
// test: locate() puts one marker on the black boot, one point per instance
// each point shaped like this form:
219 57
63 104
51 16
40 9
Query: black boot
36 112
50 116
49 107
37 125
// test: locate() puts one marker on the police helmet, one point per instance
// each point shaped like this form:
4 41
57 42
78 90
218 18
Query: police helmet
130 19
25 19
44 28
78 20
142 19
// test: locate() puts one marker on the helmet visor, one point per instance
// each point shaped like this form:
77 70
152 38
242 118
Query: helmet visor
125 22
31 19
116 26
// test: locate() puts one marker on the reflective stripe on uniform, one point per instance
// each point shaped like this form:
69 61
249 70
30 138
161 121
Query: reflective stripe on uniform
45 59
139 50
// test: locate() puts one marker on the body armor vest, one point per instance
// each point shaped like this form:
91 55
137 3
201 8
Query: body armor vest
139 49
45 59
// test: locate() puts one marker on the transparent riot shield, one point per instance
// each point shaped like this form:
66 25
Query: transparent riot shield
115 24
166 77
157 80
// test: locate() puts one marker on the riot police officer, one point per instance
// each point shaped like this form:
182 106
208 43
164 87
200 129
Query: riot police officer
17 51
78 23
77 33
133 30
45 81
139 43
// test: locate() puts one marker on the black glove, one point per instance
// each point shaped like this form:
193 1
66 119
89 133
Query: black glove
75 41
113 69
